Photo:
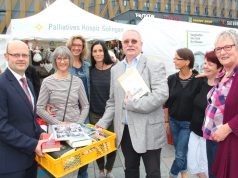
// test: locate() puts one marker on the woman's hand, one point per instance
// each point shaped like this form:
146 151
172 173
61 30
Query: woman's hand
51 109
201 75
221 133
167 128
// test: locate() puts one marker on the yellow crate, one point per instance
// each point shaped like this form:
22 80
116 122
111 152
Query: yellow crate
82 156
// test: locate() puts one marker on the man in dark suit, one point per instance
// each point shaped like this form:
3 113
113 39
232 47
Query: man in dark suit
19 131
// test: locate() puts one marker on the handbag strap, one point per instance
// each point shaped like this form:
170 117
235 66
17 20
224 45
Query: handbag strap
71 79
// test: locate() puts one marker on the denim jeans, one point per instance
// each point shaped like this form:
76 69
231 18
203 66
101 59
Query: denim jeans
180 132
211 152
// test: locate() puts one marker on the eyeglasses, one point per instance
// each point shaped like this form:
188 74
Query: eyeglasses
18 55
133 41
225 48
64 59
76 45
178 59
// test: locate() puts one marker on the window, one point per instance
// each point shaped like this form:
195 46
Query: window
125 2
197 9
188 9
206 10
214 13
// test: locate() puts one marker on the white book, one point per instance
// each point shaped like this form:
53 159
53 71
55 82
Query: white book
132 82
79 143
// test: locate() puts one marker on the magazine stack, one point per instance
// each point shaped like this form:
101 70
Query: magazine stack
79 145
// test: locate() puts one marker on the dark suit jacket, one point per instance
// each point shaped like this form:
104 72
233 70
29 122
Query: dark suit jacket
34 77
19 131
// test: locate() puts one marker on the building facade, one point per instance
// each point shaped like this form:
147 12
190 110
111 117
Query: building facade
215 12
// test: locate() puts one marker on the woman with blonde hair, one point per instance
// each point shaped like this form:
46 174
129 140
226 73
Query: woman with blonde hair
80 68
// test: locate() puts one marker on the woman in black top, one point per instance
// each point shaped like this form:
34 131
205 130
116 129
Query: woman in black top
197 156
183 87
100 75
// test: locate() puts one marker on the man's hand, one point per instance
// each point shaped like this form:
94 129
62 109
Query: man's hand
38 149
128 94
98 128
42 134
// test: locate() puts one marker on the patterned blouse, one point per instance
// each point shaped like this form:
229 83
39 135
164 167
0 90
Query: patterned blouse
216 104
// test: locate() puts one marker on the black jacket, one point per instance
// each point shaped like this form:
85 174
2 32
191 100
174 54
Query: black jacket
180 102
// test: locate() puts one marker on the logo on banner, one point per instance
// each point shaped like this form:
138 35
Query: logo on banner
38 27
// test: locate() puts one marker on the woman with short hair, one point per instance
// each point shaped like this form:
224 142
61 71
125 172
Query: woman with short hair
183 87
197 155
55 88
221 121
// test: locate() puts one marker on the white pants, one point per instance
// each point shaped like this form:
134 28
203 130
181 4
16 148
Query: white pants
197 155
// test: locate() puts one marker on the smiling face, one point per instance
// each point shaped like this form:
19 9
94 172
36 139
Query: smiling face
210 69
131 44
77 47
97 53
62 63
17 56
226 52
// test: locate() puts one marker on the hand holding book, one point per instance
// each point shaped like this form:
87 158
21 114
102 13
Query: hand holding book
51 144
132 82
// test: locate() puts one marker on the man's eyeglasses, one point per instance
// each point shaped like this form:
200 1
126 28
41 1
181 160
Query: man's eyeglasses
133 41
225 48
18 55
59 59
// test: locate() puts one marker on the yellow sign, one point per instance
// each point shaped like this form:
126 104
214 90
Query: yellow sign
202 21
38 27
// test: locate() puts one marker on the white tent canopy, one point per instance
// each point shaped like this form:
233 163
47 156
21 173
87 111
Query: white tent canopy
63 19
161 39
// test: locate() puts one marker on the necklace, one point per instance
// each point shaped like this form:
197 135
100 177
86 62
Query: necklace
99 67
185 76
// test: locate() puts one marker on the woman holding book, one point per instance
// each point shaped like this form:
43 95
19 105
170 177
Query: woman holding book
63 91
100 74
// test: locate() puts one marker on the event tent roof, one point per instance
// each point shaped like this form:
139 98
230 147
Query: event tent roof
63 19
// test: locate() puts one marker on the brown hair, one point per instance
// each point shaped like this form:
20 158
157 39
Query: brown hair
211 57
186 54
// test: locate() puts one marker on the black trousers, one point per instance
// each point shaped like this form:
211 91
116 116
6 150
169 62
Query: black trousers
110 158
31 172
151 159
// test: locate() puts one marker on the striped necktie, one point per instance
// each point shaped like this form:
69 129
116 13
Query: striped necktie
24 86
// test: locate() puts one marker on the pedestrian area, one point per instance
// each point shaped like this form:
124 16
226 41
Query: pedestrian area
167 156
